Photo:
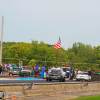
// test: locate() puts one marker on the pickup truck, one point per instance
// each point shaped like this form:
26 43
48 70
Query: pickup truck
26 71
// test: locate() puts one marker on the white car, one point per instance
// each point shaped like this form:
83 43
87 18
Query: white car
66 69
82 76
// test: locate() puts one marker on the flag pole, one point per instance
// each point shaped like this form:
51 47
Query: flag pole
56 56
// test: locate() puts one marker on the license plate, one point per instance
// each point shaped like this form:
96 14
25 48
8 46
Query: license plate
15 71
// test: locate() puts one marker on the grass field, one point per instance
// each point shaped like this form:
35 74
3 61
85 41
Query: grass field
88 98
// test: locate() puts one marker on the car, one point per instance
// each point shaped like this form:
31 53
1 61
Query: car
82 76
66 69
26 71
56 74
14 71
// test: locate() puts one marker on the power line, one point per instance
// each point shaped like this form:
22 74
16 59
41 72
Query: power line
49 61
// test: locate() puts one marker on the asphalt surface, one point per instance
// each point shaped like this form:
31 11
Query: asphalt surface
7 79
65 96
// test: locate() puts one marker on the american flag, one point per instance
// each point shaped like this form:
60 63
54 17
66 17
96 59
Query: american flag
58 44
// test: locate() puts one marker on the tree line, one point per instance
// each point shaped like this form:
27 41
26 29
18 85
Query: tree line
80 56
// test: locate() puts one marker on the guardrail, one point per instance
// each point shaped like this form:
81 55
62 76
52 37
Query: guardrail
95 77
37 89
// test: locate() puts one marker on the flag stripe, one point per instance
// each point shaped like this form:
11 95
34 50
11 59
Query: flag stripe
57 45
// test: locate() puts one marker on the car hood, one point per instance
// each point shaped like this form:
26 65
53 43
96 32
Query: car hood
82 75
26 70
13 70
54 74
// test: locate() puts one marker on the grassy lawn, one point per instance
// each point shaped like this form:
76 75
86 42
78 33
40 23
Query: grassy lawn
88 98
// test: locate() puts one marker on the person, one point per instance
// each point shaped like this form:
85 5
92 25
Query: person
56 66
70 73
7 66
89 75
3 69
36 70
79 71
43 69
0 69
75 73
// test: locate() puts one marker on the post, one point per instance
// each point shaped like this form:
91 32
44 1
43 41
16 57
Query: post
1 40
20 63
45 58
56 56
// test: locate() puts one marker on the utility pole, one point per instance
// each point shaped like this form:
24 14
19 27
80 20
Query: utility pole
1 40
45 58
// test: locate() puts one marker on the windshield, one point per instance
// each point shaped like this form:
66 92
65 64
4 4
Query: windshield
27 68
15 69
55 71
66 69
83 73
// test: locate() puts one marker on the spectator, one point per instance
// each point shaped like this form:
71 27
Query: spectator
79 71
75 73
36 70
70 73
11 67
43 69
56 66
7 66
0 69
89 75
3 69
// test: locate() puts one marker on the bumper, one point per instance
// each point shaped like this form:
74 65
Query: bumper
82 79
25 73
14 73
54 78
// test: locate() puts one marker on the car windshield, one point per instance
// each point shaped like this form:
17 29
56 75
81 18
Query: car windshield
15 69
83 73
55 71
66 69
27 68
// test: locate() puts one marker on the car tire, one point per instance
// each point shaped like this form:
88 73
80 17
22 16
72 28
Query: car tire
60 80
50 79
77 80
63 80
20 75
46 79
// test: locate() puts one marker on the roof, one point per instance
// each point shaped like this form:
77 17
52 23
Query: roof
56 68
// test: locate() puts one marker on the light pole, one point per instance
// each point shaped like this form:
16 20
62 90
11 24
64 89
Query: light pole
45 58
20 63
1 40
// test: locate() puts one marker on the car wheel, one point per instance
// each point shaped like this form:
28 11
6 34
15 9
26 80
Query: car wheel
50 79
46 79
20 75
77 80
63 80
60 80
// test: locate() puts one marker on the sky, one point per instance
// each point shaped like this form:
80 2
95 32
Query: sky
46 20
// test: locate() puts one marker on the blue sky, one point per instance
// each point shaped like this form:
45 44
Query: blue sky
46 20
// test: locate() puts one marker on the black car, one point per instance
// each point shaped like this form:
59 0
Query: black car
56 74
